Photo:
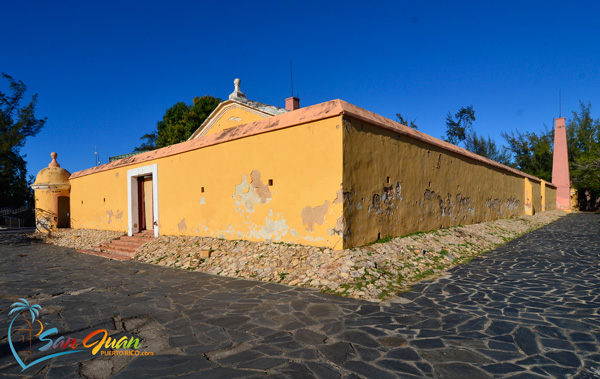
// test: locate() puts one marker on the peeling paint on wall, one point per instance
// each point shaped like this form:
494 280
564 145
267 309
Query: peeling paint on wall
314 215
339 227
202 200
376 203
495 205
465 205
311 239
339 197
224 233
119 215
347 212
273 230
259 187
456 210
512 204
182 226
110 214
250 194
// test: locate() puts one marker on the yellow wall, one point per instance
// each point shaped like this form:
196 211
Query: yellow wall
550 197
99 201
543 185
536 196
429 188
46 207
304 204
233 117
528 193
337 182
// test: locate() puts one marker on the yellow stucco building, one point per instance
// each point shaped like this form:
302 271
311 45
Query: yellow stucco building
51 189
330 174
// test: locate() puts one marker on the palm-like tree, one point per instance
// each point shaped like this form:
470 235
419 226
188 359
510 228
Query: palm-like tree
24 305
19 307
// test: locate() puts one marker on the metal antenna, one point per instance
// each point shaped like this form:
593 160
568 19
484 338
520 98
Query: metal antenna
292 77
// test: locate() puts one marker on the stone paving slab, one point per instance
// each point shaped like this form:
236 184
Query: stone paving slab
529 309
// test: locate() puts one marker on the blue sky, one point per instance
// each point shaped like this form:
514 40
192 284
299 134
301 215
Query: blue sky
105 72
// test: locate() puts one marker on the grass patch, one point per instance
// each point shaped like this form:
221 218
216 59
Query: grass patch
381 240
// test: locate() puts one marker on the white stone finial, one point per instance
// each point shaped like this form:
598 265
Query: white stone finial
236 91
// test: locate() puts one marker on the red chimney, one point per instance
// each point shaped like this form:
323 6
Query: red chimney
292 103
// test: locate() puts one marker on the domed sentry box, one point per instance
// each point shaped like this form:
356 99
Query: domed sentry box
52 197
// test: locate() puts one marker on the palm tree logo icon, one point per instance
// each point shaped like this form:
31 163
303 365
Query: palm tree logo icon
34 310
20 308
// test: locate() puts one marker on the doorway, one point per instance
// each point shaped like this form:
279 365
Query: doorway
145 203
142 199
64 210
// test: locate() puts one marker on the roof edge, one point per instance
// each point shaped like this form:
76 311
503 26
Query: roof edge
385 123
311 113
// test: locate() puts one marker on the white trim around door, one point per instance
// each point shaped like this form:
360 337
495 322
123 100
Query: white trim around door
132 197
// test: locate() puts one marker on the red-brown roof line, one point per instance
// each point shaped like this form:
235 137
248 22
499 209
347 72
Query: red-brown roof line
311 113
223 106
373 118
308 114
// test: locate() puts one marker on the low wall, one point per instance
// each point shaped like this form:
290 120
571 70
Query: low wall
277 186
331 174
550 197
536 195
395 184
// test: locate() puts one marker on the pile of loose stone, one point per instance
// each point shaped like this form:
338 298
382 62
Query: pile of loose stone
79 238
373 272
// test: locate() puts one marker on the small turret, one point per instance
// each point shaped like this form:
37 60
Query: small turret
52 197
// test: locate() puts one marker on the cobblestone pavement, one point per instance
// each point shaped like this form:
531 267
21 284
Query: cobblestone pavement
529 309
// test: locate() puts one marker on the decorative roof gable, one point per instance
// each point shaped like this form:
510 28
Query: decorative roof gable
238 110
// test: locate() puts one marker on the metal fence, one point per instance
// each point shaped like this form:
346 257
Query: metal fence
13 222
7 211
22 217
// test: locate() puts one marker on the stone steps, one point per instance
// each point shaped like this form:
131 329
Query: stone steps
122 248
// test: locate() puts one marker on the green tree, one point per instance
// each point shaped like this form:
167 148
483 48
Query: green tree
486 148
586 175
150 143
583 144
532 153
16 124
178 123
583 133
405 121
459 129
459 125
